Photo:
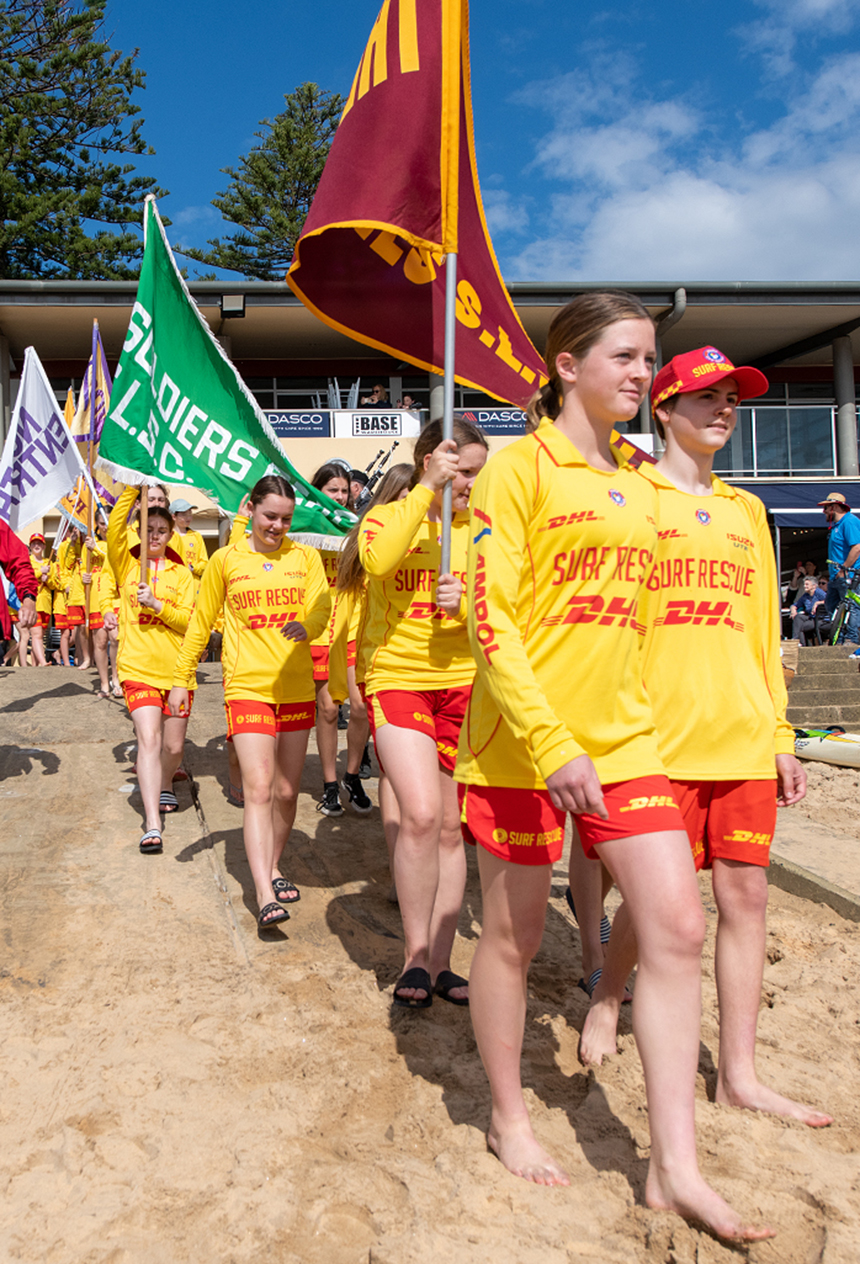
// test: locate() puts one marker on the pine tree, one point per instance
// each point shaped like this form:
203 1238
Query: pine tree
67 205
270 195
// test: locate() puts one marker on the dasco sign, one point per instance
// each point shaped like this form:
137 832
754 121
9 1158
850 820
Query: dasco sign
375 424
310 425
497 421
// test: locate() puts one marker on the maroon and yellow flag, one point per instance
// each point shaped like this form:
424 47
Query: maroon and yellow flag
399 192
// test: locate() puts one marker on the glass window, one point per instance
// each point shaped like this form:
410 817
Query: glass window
811 440
771 441
776 391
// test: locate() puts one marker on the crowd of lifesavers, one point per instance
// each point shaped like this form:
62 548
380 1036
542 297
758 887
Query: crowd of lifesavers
603 636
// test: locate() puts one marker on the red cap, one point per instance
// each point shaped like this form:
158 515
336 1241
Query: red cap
694 370
37 536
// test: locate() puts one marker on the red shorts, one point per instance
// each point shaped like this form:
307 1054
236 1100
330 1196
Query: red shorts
319 654
731 820
437 712
61 620
75 616
267 717
350 654
96 620
43 618
525 827
138 695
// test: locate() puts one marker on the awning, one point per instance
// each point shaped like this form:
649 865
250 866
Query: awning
795 504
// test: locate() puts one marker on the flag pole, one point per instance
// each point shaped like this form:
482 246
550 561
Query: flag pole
448 397
143 524
91 513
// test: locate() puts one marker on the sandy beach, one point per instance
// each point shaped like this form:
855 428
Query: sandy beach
178 1086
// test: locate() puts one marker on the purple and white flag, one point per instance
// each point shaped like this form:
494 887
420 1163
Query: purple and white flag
40 461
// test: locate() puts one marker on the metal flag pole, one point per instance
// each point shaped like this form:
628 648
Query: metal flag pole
91 528
448 397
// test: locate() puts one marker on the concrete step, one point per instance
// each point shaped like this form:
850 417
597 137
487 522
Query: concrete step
820 715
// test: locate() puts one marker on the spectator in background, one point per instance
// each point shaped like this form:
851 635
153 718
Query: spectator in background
843 552
358 480
808 610
378 398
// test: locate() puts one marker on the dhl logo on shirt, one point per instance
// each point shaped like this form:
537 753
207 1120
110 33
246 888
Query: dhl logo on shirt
747 836
277 619
672 533
572 519
682 612
520 838
649 801
423 610
585 609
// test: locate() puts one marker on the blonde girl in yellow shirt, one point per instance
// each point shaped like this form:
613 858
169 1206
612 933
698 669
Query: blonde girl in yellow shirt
418 676
275 599
562 534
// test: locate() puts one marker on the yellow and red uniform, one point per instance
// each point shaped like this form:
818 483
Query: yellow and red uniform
321 646
410 647
47 584
553 593
192 549
98 559
72 586
149 642
711 660
260 593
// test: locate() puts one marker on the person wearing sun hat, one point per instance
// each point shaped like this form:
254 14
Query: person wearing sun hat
710 631
843 552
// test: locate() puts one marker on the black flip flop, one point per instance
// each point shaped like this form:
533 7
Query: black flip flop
264 922
446 981
283 890
415 978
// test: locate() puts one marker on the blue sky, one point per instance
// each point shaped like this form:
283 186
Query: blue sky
681 140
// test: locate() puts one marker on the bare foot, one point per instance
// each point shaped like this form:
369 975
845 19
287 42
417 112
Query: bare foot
759 1097
693 1198
600 1033
520 1153
84 666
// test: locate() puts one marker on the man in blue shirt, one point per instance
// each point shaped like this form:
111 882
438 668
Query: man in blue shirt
843 551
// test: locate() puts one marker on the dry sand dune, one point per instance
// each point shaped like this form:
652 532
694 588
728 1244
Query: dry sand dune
177 1087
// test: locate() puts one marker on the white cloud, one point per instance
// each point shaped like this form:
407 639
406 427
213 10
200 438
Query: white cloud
775 35
646 194
502 213
190 216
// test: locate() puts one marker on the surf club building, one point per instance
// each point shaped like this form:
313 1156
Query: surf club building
791 446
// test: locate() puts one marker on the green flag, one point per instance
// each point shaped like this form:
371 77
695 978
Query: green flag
180 413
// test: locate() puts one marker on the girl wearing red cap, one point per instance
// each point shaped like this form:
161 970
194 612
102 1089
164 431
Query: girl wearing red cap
563 536
712 670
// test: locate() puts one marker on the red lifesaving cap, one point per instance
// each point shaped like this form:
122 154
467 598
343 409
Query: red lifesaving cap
37 536
694 370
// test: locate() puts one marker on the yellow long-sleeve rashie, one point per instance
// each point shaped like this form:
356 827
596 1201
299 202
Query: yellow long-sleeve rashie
710 617
558 554
259 593
410 643
70 567
329 561
192 548
47 584
149 642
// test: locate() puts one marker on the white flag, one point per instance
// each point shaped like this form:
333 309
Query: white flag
40 461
